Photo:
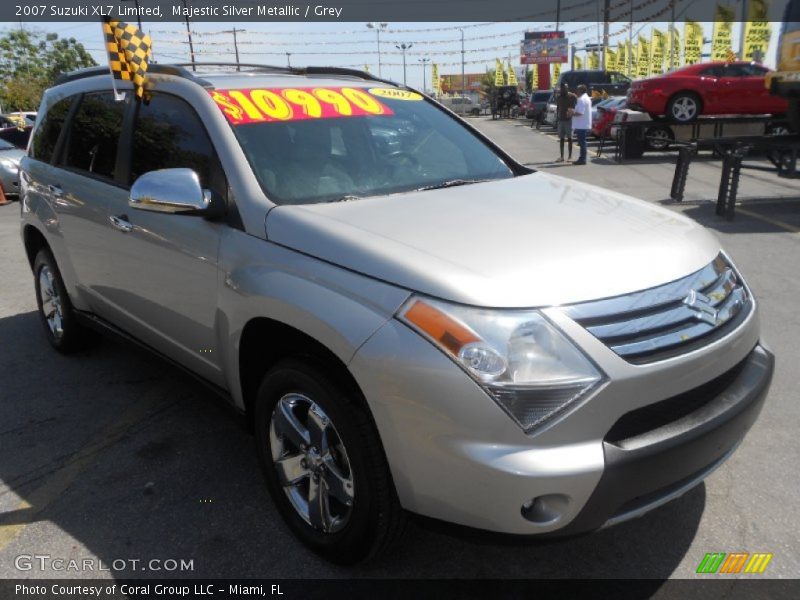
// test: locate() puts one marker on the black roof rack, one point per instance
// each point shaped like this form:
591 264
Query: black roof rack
165 69
182 70
311 70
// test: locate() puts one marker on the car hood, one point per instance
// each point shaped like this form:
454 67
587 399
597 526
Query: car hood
529 241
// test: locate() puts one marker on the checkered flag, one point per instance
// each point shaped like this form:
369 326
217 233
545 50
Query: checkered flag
128 52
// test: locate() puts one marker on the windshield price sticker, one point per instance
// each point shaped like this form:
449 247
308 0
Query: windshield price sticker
294 104
395 94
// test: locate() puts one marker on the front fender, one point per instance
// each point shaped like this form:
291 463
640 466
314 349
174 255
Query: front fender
338 308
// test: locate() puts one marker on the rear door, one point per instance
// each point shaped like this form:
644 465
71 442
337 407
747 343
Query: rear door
163 289
80 184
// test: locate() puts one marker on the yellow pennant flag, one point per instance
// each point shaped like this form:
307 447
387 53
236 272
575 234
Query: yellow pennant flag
499 81
622 64
757 31
535 78
643 59
435 84
578 62
657 39
594 60
512 76
609 59
692 42
128 50
556 73
721 42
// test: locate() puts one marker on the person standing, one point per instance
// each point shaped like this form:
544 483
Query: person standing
565 104
582 122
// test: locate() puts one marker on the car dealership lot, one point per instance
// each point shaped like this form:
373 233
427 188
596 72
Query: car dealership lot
114 456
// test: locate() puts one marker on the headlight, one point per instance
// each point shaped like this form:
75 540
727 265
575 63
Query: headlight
527 365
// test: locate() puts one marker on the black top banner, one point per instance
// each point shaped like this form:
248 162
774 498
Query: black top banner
563 11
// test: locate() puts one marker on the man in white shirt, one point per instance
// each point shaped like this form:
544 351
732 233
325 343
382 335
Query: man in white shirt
582 122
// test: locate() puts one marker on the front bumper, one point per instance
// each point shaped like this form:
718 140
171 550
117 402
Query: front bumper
456 456
652 466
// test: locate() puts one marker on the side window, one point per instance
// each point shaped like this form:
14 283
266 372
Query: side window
44 142
168 135
712 72
94 135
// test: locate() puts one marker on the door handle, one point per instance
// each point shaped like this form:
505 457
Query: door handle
121 222
55 190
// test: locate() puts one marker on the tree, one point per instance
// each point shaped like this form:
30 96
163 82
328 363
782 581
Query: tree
30 62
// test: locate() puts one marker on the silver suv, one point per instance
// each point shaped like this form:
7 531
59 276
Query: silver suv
411 320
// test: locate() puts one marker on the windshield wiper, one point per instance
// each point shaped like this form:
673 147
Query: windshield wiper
347 198
449 183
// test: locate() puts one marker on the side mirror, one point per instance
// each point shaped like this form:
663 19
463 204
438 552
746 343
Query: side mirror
173 191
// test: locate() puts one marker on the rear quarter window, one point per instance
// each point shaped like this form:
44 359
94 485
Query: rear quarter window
46 137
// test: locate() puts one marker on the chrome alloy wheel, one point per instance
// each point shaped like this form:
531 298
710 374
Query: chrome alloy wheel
51 302
684 108
311 463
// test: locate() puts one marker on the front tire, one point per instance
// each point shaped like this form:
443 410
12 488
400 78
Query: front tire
658 138
684 107
324 464
61 326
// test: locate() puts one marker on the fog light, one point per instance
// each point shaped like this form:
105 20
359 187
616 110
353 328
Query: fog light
545 510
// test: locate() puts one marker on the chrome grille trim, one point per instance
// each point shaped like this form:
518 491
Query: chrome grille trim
671 319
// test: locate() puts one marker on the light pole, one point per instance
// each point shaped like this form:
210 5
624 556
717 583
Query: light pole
463 76
378 27
289 60
424 62
404 47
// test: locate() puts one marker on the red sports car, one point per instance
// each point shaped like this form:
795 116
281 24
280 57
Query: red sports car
711 88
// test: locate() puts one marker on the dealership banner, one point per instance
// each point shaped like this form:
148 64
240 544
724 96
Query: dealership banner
656 51
499 80
643 58
435 82
556 71
692 42
721 38
757 31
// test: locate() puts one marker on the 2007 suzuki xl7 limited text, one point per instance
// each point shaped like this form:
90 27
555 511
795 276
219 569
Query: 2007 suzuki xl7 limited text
411 320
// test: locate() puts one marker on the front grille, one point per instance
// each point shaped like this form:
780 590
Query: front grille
670 319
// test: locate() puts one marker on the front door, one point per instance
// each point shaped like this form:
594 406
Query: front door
164 284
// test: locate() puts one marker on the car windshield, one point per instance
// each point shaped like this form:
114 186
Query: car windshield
399 144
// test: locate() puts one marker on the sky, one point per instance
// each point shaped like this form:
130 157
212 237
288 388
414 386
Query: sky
355 45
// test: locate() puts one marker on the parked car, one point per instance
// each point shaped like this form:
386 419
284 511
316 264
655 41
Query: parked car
785 81
603 115
461 105
29 115
537 105
10 156
657 136
551 115
711 88
611 82
15 120
422 325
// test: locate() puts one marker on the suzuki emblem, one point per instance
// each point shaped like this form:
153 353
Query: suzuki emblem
702 306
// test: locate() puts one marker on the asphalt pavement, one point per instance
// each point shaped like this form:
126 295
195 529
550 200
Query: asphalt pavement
114 457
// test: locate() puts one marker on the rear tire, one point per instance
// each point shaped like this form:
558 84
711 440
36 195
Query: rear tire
61 326
684 107
793 115
305 417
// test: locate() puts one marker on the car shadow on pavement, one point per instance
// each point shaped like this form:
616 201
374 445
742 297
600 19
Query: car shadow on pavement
752 215
116 455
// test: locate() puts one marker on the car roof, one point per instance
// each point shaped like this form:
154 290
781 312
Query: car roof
226 75
701 66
